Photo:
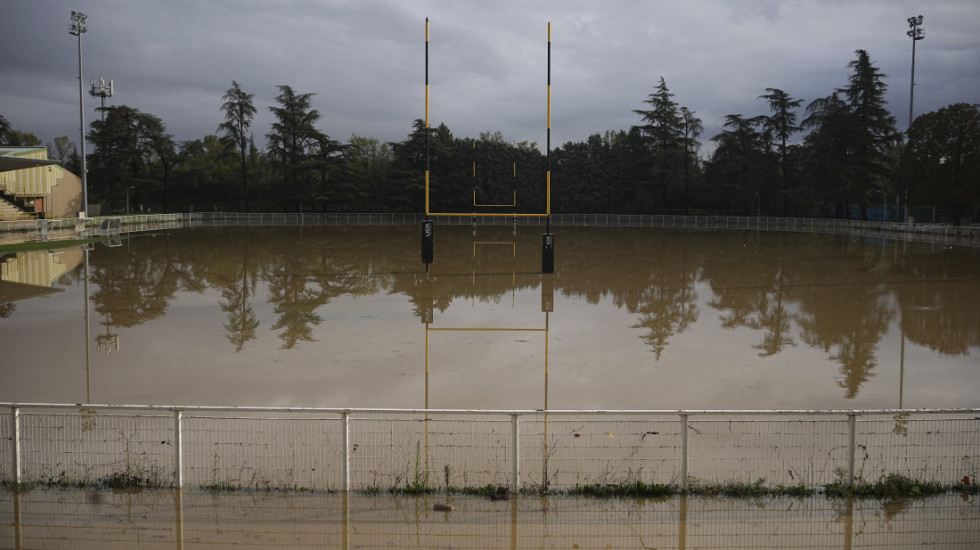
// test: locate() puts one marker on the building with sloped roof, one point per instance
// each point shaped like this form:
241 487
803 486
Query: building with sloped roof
33 186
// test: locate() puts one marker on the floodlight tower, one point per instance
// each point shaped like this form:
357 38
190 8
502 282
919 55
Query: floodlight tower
102 91
78 29
916 34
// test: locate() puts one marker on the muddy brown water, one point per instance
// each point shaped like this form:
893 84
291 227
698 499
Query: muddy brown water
81 519
631 319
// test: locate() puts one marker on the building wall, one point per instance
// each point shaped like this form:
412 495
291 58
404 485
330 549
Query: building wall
29 182
65 200
52 189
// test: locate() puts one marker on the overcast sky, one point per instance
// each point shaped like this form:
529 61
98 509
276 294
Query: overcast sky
365 60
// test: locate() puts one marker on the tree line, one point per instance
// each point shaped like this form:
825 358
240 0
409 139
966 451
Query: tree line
839 155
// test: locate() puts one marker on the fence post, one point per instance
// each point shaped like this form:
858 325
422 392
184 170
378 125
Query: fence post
683 453
178 449
15 448
345 438
515 468
851 428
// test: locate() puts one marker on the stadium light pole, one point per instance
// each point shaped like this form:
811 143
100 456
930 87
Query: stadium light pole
916 34
78 29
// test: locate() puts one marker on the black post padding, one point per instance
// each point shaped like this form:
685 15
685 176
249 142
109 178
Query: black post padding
547 253
427 241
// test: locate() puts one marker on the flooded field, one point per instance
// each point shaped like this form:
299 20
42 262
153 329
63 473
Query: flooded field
631 319
81 519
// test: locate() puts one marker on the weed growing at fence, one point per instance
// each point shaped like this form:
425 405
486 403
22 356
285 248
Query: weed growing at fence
420 479
889 486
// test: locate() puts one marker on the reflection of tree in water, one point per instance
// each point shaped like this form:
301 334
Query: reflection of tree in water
936 292
838 295
840 306
136 285
665 312
749 289
773 317
652 278
847 325
313 269
242 324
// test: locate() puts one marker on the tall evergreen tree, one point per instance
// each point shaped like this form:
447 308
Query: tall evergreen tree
239 112
737 166
127 143
852 130
664 131
292 134
691 129
780 125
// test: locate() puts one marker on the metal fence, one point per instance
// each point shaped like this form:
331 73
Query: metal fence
62 229
366 449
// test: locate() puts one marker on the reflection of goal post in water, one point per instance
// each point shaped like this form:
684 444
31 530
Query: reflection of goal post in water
547 307
548 239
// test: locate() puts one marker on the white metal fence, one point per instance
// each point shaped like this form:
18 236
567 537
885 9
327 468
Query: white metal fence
62 229
365 449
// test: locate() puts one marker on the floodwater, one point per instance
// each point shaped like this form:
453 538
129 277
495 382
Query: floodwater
631 319
81 519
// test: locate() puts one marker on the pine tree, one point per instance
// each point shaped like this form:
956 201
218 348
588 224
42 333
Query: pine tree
239 112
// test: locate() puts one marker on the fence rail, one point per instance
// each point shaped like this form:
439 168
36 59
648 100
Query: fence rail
364 449
12 232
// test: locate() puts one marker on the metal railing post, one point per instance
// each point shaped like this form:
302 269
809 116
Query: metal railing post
683 453
851 428
178 449
345 440
515 467
15 448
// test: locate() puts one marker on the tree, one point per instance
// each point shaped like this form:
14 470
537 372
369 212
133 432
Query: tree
366 167
691 129
10 136
167 156
60 148
669 137
21 139
292 134
206 176
852 130
323 154
5 129
780 125
874 129
127 142
943 157
826 146
239 112
737 165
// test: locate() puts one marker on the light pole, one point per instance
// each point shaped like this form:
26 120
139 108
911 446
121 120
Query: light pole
127 198
916 34
77 29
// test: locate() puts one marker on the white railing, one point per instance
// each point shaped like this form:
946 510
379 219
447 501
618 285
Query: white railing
366 449
68 228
